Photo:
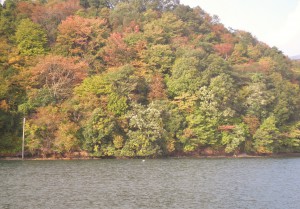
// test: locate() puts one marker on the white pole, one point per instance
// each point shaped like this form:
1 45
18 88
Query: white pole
23 142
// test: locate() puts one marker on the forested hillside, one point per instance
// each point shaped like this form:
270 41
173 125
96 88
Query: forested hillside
140 78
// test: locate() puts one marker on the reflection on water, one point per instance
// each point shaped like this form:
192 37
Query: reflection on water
169 183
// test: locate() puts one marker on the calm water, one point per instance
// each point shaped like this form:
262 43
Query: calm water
170 183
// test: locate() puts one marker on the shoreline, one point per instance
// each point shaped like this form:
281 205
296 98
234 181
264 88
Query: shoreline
241 156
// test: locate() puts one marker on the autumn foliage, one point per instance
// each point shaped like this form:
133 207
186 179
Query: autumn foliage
77 35
58 74
135 78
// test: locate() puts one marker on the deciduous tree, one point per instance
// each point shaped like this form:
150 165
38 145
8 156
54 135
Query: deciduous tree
58 75
266 136
78 36
31 38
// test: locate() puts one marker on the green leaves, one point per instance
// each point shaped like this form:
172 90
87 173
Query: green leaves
148 78
185 77
257 98
159 58
161 31
232 139
117 104
98 131
146 132
265 136
31 38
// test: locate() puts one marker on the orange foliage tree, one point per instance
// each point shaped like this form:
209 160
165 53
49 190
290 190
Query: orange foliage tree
224 49
49 15
78 35
58 75
117 52
157 88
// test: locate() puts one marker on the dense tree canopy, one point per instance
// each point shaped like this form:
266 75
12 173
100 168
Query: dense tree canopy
140 78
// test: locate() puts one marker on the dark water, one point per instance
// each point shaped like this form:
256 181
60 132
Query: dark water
170 183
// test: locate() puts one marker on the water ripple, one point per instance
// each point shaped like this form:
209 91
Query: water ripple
170 183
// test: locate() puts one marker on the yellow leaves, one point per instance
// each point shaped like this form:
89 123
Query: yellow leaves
186 101
66 139
4 106
254 52
47 116
3 87
188 133
266 64
263 150
162 30
14 60
171 145
50 129
9 55
189 148
118 141
96 148
4 50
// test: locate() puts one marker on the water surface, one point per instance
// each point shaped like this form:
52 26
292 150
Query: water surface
168 183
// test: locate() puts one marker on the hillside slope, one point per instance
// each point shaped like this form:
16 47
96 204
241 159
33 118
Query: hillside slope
140 79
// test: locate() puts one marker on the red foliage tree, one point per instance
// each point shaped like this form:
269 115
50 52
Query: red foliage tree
224 49
49 15
116 51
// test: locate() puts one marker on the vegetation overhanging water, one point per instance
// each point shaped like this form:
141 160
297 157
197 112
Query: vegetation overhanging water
139 78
